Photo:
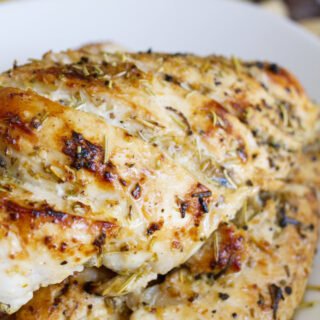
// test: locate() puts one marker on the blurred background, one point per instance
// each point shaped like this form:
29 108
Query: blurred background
305 12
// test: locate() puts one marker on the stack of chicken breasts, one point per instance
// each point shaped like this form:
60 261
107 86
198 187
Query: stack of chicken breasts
137 186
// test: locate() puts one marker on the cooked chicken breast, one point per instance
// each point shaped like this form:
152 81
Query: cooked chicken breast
274 254
256 270
69 300
131 161
225 121
77 191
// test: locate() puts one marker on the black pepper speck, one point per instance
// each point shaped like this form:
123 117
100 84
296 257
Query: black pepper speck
223 296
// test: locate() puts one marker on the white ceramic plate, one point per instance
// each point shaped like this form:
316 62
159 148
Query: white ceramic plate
29 28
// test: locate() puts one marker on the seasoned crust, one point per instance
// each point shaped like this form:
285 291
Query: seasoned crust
268 281
69 180
269 285
225 130
222 101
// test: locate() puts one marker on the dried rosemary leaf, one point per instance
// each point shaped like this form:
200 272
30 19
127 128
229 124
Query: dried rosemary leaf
236 64
197 144
119 285
142 136
120 74
307 304
216 244
230 181
58 173
284 114
178 122
85 71
158 164
205 165
214 118
242 216
313 287
106 149
180 119
152 242
146 123
147 88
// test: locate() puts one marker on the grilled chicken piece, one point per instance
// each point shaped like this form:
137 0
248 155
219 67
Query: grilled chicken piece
280 244
139 160
226 121
76 191
254 272
69 300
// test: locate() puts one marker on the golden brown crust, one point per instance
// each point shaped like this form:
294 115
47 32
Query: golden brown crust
269 285
194 139
203 89
61 178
